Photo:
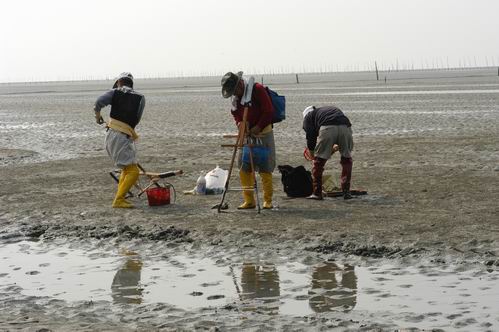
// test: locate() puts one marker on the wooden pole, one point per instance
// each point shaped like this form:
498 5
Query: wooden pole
239 143
377 73
297 80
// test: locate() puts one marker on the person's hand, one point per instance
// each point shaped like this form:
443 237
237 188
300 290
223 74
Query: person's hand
335 148
255 130
98 118
309 155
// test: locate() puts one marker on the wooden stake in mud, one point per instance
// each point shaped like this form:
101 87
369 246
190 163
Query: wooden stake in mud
239 143
377 73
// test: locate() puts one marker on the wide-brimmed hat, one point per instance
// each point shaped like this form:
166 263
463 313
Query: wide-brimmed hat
125 75
229 83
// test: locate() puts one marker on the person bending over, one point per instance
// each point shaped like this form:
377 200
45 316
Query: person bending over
326 127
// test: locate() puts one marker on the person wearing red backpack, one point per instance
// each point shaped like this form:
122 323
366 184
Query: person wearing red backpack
260 113
328 129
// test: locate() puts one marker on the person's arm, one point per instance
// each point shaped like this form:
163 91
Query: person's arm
310 133
142 105
265 104
236 111
102 102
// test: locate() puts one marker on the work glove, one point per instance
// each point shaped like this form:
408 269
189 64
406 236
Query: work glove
255 130
98 118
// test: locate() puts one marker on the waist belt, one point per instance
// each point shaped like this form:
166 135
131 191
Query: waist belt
123 128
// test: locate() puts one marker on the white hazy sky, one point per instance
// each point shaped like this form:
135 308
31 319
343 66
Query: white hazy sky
75 39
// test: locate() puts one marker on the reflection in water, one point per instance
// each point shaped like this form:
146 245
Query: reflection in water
125 287
261 284
333 288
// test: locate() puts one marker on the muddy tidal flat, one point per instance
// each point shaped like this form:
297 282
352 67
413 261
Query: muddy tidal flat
419 252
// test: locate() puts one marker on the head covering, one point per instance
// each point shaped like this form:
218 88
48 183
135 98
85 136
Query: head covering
126 76
229 83
308 110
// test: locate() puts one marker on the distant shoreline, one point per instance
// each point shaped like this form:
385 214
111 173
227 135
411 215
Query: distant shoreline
493 69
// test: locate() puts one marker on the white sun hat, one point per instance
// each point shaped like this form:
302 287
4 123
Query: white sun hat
308 110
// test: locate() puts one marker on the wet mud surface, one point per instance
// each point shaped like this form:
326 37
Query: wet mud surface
429 162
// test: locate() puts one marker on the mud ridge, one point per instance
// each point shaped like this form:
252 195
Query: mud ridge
369 251
121 232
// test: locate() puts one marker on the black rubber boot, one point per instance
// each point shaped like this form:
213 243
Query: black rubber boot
346 176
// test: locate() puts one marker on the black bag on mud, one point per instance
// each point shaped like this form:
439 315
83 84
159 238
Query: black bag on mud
297 181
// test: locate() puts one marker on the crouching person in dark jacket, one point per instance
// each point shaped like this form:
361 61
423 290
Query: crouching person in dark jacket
326 127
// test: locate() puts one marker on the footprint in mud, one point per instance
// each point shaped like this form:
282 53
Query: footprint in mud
372 291
187 275
196 293
215 297
434 314
16 268
286 282
209 284
32 273
3 275
382 279
62 254
95 255
465 322
44 265
415 319
405 286
453 316
302 297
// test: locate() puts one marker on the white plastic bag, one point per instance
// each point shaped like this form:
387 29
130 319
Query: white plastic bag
215 180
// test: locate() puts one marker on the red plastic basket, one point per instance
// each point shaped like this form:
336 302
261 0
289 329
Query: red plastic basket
158 196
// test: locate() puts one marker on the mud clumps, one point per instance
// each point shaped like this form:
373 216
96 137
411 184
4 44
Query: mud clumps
125 232
171 233
35 231
157 233
371 251
492 263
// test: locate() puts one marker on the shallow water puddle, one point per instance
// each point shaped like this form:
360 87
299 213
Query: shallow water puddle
423 295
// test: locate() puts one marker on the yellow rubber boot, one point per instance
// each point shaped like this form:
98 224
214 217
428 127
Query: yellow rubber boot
247 181
267 190
129 176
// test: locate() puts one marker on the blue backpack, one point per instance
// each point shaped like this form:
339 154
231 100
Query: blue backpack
279 103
